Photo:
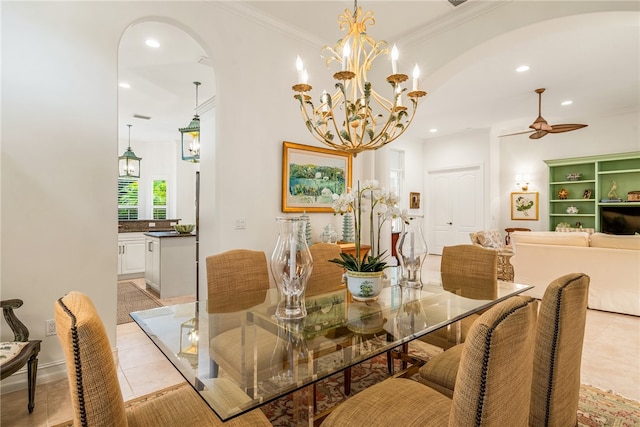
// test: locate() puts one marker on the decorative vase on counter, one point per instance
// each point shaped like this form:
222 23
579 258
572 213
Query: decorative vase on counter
412 251
291 265
365 286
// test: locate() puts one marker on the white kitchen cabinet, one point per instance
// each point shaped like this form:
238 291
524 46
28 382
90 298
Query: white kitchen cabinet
170 263
131 253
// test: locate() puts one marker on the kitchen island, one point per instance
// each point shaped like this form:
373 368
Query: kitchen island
170 263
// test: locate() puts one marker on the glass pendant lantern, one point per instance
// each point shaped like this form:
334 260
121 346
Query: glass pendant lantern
190 136
129 163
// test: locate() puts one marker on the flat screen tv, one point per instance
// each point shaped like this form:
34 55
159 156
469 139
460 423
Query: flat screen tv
620 219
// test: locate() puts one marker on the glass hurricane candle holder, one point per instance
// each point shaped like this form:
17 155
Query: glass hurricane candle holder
291 266
411 248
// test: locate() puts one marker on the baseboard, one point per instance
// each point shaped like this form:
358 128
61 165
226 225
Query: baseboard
47 372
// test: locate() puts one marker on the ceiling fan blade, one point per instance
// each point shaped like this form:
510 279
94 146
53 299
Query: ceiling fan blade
538 134
565 128
516 133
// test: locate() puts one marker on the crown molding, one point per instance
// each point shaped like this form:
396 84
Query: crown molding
258 17
464 13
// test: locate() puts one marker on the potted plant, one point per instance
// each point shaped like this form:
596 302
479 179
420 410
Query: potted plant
365 271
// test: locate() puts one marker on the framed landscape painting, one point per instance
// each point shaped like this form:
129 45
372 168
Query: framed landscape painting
311 176
524 206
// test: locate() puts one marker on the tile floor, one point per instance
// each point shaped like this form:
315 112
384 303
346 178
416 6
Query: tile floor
610 361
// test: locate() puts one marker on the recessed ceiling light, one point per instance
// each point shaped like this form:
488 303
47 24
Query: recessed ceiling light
125 85
567 102
522 68
434 130
152 43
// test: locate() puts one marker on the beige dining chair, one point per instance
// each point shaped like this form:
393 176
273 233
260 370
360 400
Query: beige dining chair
557 355
96 396
470 271
493 386
237 280
325 276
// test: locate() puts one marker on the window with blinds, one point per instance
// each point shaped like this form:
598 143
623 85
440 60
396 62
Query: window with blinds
127 198
159 199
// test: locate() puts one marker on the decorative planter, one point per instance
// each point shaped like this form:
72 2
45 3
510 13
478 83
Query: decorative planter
364 286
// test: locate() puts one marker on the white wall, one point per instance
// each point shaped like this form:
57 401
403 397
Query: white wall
60 126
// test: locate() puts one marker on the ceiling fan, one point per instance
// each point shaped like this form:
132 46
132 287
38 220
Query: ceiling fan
541 127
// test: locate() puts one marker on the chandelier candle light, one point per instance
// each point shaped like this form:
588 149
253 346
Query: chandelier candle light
357 118
129 163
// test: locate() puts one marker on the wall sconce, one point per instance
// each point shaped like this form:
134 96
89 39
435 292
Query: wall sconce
189 341
190 136
522 181
129 163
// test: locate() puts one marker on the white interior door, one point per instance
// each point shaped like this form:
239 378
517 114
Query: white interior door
456 206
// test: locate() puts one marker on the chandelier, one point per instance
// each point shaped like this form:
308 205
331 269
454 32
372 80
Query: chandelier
129 163
190 136
356 117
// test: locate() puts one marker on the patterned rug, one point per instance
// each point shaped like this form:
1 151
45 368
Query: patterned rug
132 298
596 408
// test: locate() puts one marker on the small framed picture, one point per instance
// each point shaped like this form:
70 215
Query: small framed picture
524 206
414 200
587 194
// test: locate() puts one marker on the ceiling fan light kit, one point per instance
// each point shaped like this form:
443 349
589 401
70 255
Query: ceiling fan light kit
541 127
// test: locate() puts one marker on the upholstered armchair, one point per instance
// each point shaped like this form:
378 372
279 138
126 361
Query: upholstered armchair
557 355
21 351
93 379
492 239
493 385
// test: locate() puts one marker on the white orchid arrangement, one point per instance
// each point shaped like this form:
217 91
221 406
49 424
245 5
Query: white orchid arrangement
383 206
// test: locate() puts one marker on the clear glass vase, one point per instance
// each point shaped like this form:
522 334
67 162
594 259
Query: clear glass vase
411 317
291 266
412 251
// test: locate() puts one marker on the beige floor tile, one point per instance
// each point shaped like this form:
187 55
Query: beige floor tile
164 375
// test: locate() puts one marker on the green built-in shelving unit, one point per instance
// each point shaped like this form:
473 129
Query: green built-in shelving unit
589 192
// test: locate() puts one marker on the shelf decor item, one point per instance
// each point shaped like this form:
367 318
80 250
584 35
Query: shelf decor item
347 227
365 272
412 251
573 176
524 206
572 210
563 194
291 266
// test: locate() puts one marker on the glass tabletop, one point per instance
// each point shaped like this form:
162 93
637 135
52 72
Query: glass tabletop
239 356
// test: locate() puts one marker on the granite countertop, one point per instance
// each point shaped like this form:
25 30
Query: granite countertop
168 234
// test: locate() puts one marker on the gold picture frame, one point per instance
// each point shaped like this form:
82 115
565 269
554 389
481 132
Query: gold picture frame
524 206
311 176
414 200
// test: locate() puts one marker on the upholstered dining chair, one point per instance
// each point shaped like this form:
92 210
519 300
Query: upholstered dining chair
557 355
493 386
325 276
470 271
19 352
96 396
237 279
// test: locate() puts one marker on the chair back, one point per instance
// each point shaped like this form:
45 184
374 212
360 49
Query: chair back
469 260
237 279
325 276
558 352
493 385
95 391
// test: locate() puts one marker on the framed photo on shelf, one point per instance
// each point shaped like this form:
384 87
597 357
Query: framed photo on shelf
311 176
414 200
587 194
524 206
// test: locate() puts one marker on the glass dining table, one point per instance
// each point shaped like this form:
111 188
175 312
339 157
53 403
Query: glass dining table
238 356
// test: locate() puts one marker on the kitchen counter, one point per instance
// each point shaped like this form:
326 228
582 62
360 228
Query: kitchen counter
168 234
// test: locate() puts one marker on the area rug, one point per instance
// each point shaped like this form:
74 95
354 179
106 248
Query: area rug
596 408
132 298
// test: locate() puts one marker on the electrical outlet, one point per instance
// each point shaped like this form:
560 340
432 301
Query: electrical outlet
49 327
241 223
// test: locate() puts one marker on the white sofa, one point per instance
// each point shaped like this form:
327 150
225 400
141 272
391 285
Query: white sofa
612 262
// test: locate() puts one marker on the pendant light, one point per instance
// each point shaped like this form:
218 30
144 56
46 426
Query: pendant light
129 163
190 136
